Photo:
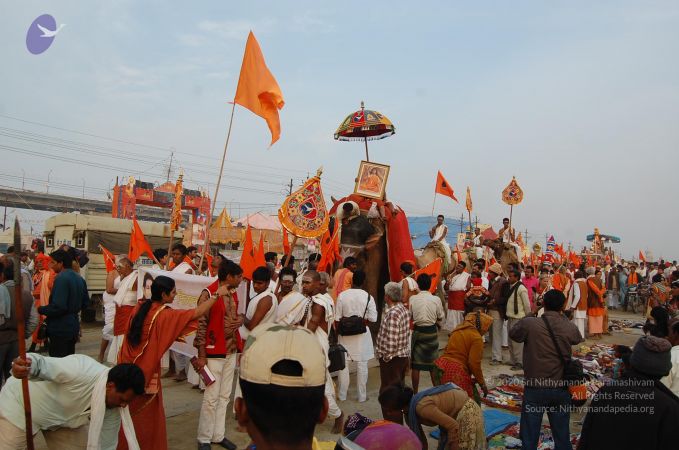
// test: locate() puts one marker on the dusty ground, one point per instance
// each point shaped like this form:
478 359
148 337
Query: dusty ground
182 404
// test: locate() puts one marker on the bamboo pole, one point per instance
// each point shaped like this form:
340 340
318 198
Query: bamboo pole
21 331
219 182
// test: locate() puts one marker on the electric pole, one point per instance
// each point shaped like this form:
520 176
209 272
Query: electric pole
290 186
169 167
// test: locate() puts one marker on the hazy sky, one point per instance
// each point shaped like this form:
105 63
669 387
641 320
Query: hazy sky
579 100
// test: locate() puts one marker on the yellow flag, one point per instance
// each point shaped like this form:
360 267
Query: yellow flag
469 200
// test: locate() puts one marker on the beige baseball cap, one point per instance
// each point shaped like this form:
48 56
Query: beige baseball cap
496 269
271 343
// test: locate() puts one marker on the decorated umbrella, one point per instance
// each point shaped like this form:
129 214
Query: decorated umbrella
365 125
604 238
512 195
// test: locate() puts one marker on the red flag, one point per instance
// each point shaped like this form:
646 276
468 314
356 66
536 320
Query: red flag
247 259
138 243
260 260
433 269
286 242
443 188
109 259
642 257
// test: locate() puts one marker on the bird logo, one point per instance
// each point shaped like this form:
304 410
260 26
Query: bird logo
41 34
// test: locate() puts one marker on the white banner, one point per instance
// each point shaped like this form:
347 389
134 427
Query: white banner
189 288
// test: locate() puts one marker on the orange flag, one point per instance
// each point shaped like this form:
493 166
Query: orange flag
260 260
286 242
469 199
433 269
247 258
258 90
443 188
641 256
109 259
138 243
329 251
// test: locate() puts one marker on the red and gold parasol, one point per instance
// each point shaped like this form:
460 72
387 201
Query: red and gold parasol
365 125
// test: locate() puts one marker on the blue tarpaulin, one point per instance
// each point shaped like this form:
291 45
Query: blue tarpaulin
420 226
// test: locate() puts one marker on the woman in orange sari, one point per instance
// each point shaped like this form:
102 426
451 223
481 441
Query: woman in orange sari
595 302
152 330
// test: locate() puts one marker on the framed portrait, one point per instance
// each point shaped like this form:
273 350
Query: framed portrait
372 180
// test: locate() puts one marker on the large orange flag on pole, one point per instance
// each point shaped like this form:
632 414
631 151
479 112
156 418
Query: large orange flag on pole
443 188
138 244
642 257
433 269
258 90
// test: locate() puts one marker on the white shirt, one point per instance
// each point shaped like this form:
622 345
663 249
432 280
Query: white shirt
439 232
61 395
577 297
426 309
459 282
352 302
672 379
506 234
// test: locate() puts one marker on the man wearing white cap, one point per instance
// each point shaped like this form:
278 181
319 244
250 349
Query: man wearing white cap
282 379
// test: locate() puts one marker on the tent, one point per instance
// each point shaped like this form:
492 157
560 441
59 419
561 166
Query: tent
222 230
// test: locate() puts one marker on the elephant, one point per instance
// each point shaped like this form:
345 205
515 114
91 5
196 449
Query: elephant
367 226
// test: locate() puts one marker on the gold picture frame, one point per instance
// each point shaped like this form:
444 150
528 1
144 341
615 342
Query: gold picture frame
371 181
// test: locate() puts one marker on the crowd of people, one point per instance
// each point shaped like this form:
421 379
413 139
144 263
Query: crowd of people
288 327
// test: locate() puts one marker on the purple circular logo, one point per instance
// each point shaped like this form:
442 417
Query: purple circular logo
41 33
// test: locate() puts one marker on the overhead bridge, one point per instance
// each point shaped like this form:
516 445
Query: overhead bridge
14 198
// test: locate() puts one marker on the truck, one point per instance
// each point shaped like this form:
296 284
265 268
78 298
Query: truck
88 232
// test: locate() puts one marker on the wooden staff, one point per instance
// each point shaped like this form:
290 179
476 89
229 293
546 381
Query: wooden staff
219 182
21 331
169 250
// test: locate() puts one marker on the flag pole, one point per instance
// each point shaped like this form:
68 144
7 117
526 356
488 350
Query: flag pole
21 331
433 204
219 181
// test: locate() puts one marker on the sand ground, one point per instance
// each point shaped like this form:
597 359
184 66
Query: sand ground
182 404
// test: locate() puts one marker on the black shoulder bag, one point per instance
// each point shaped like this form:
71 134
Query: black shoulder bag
353 325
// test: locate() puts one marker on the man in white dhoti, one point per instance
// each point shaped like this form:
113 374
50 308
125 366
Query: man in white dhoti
457 287
477 242
76 403
262 307
124 300
508 236
438 233
578 301
112 285
181 362
356 302
408 284
319 318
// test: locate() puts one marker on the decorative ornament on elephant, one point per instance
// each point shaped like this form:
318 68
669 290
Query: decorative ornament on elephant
376 233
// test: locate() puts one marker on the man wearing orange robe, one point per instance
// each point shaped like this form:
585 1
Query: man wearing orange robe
43 280
151 331
595 302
